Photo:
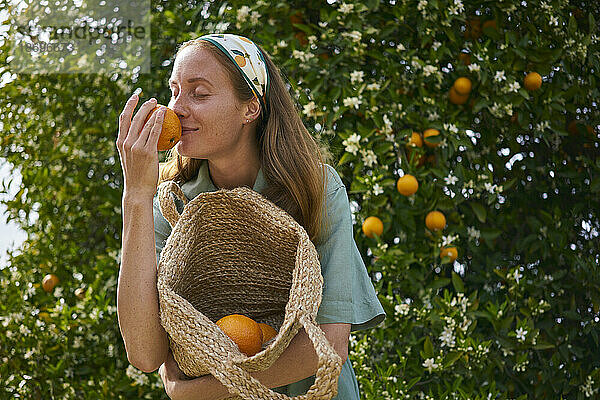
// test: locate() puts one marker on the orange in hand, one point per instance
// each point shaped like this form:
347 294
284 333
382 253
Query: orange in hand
171 129
244 332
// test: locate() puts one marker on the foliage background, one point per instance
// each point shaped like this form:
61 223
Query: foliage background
515 316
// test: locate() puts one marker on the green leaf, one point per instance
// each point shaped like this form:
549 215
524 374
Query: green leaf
572 27
428 348
479 104
438 283
345 158
490 234
479 211
457 283
451 358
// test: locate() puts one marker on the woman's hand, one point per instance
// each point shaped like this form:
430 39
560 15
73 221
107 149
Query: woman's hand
171 376
137 146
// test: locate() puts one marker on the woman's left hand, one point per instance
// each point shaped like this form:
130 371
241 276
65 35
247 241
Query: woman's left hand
171 376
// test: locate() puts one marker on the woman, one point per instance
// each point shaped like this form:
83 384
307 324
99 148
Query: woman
240 128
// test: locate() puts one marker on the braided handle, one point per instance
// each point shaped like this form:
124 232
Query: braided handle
244 385
167 203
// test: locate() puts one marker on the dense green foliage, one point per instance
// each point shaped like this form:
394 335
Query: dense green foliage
515 316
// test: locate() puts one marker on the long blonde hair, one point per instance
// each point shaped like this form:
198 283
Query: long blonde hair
292 160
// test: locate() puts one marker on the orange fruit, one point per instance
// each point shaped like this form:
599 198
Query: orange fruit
435 221
430 132
456 98
533 81
462 86
371 226
268 332
407 185
415 140
49 282
171 129
449 252
244 332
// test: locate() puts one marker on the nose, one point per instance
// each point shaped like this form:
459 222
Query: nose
176 104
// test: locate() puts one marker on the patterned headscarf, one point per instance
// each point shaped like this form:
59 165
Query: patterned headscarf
248 58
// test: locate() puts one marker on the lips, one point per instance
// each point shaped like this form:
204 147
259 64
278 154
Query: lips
187 130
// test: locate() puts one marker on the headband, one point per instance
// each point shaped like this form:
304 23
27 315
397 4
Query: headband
249 60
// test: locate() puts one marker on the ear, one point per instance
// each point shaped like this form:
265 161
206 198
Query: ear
252 109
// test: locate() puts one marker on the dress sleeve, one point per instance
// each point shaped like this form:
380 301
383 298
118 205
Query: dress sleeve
348 293
162 229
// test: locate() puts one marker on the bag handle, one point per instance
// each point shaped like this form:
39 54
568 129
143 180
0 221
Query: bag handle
167 203
241 383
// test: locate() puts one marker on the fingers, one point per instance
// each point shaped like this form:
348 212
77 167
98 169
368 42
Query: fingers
154 132
138 120
146 129
125 119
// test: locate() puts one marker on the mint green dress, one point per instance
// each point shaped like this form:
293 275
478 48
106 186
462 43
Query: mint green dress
348 293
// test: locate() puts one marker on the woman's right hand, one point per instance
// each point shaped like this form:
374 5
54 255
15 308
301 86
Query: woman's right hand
137 146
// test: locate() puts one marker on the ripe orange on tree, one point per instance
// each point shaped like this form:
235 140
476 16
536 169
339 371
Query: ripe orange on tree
268 332
415 140
532 81
462 86
372 226
435 221
244 332
456 98
430 132
451 252
49 282
171 129
407 185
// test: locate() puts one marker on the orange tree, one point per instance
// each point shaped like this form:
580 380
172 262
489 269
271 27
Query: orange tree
490 106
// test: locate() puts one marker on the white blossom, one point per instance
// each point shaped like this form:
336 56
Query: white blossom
352 144
521 334
345 8
429 70
356 76
500 76
352 102
430 364
474 67
369 158
450 179
243 13
310 108
553 20
513 87
402 309
447 337
517 275
473 232
373 86
356 36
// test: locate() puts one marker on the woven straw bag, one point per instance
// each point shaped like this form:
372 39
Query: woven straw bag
233 251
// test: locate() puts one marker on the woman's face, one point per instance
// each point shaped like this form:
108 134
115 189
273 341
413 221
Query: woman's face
203 97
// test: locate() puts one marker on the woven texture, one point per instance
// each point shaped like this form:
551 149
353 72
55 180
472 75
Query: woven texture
232 251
